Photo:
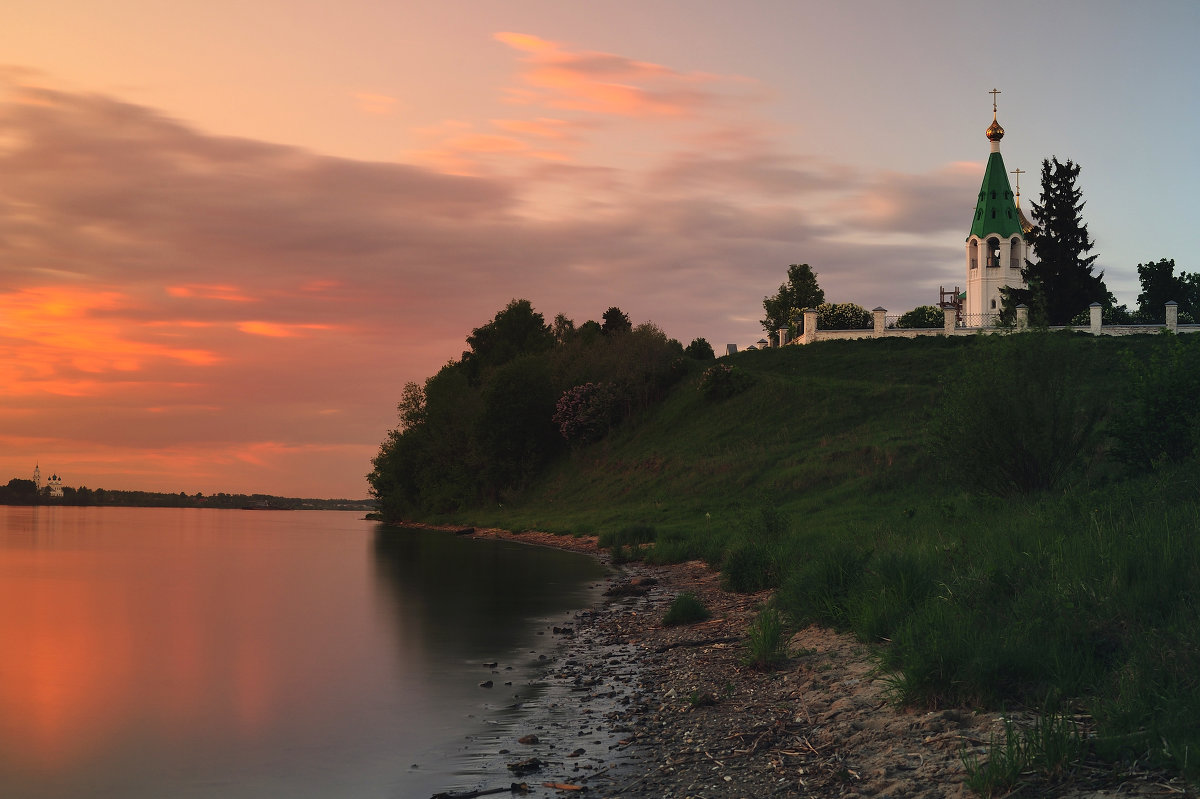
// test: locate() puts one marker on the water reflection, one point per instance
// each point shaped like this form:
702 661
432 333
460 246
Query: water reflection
200 653
465 596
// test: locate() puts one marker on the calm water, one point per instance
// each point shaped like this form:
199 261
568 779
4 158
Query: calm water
203 653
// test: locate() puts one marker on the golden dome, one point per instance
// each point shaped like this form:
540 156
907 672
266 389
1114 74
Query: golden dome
994 131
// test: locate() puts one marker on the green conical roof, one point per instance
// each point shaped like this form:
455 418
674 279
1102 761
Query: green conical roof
996 212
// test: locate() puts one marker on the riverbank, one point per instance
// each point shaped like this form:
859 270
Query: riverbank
677 714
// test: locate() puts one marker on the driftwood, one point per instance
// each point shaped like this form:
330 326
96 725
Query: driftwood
725 639
516 787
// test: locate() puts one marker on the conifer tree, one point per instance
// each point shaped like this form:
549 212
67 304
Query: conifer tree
1060 281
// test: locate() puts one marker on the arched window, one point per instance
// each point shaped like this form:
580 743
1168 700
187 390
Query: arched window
993 251
993 305
1014 250
974 254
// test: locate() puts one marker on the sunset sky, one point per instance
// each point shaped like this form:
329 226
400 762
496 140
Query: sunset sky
231 231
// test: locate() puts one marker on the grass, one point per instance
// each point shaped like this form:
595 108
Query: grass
1044 750
686 608
826 481
765 645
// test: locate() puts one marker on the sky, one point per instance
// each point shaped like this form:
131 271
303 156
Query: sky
231 232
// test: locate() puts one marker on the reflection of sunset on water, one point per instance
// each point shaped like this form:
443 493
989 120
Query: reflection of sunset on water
99 652
73 664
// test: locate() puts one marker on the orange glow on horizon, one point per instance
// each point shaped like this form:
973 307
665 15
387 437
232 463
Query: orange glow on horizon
59 330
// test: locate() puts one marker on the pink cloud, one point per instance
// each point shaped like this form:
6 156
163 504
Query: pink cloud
131 246
605 83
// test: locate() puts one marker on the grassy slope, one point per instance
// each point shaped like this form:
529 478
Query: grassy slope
1088 596
820 426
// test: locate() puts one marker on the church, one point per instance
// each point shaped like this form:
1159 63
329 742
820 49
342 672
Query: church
996 246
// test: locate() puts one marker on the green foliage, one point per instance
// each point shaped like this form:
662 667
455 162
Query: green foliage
723 381
700 349
818 587
516 434
686 608
799 292
751 566
1013 420
482 428
516 330
1048 747
923 316
765 644
1087 593
1159 416
1060 281
843 316
630 534
1161 285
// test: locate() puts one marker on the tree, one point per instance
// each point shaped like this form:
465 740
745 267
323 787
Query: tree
799 292
923 316
516 330
615 321
1060 283
563 328
700 350
1160 285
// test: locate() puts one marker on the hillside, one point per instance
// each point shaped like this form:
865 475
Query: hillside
1006 516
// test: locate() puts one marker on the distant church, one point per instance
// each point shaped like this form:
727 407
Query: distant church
996 245
53 485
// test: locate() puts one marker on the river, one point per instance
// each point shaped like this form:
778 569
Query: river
155 652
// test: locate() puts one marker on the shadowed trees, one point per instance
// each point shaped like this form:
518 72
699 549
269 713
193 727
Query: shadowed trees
484 426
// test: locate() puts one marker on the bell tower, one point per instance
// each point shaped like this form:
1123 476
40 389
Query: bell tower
996 247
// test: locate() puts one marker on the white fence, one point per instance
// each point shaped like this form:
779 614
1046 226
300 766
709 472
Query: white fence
884 326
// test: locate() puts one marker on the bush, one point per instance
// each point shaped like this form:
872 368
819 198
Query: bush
843 316
723 381
923 316
750 566
700 349
686 609
586 413
1013 420
1159 420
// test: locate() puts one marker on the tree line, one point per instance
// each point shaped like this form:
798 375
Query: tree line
20 491
521 395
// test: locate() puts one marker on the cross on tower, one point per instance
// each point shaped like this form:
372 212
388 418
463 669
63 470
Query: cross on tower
993 93
1018 172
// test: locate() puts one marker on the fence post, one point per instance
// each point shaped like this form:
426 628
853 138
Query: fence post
879 315
783 336
951 317
1172 315
1095 320
1022 316
810 326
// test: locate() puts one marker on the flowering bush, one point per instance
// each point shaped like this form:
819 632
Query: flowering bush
586 413
722 380
843 316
